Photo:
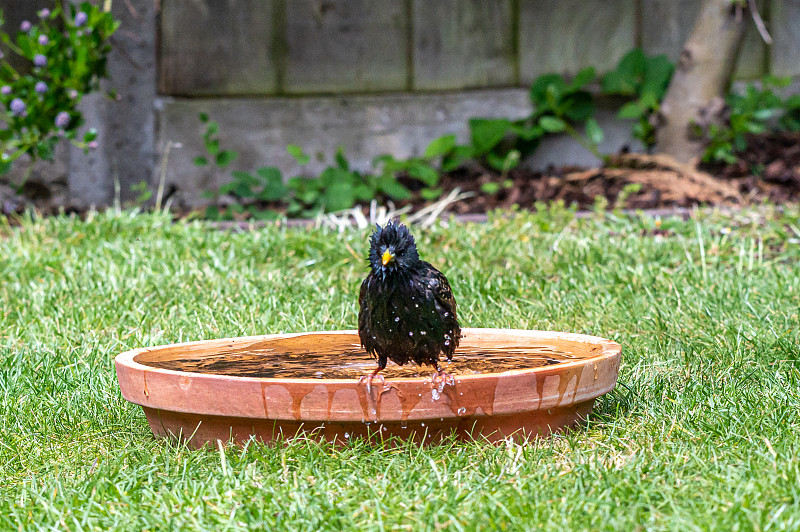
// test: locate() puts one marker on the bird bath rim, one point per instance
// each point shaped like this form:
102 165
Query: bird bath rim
181 400
128 358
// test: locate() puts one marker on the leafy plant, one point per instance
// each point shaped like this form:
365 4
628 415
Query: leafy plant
645 79
420 169
559 107
754 111
65 54
340 187
220 158
791 116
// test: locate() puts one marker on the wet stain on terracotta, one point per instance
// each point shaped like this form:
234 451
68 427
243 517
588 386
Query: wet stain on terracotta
565 377
408 401
540 388
264 399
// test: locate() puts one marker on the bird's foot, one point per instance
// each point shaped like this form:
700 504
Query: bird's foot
369 378
439 380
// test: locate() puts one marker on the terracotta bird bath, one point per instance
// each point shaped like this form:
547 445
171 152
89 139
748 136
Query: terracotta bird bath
505 382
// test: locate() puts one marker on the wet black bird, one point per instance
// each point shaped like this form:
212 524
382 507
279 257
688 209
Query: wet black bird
406 307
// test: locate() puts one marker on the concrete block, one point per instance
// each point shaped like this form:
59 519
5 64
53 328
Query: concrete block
367 126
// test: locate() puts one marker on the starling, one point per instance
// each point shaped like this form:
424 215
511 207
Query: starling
406 308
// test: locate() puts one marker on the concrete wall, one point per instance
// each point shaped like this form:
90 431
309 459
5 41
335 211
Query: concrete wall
375 76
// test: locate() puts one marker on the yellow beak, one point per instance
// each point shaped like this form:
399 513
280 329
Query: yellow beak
387 257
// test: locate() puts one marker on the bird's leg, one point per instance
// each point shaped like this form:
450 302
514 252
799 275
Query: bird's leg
440 378
372 375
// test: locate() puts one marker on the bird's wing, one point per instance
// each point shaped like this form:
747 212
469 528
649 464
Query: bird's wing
440 287
363 292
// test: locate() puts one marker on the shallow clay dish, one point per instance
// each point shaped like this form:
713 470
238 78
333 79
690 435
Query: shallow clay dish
506 382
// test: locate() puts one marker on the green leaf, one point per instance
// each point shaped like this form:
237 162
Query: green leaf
584 77
553 84
490 188
503 163
363 192
657 74
262 214
593 131
552 124
457 158
309 197
226 157
487 133
424 173
203 117
341 160
293 208
333 175
212 212
527 132
577 106
200 161
299 155
389 186
212 129
90 135
631 66
244 177
338 196
441 146
212 147
765 114
630 110
430 194
270 175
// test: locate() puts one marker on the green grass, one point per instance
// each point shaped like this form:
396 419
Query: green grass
703 431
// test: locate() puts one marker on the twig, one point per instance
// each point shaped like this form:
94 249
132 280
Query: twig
163 178
762 28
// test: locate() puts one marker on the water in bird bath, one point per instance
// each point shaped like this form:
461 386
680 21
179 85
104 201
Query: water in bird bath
340 356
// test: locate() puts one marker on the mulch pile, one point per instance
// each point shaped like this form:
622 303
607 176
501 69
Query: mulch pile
768 170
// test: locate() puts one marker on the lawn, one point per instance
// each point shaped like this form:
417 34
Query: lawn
701 432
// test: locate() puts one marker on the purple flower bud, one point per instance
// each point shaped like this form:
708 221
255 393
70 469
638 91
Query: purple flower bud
6 89
73 93
40 87
17 107
92 145
62 119
39 60
81 18
43 40
44 13
25 26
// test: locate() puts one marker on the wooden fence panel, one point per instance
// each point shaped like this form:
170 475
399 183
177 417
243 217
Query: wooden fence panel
213 47
569 35
464 43
785 51
347 46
